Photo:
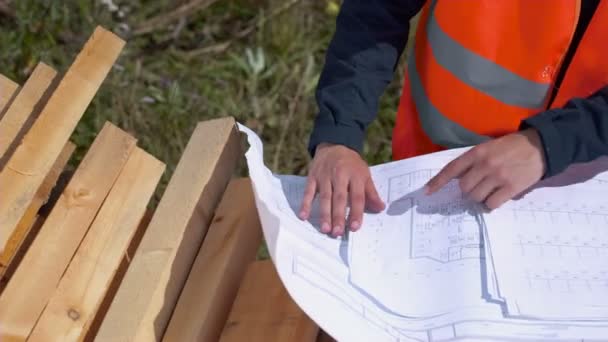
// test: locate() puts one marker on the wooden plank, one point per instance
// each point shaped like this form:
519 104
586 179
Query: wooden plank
36 278
229 247
24 109
25 224
324 337
120 274
10 270
81 290
28 166
263 311
41 216
8 90
144 302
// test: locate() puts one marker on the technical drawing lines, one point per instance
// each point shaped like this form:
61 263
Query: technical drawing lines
401 185
558 209
441 227
312 275
559 246
445 238
445 232
567 281
575 232
563 217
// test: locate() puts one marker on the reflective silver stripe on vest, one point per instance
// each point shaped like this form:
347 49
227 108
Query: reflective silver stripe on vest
481 73
439 128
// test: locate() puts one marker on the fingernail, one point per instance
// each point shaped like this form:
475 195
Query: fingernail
302 214
354 225
337 231
325 228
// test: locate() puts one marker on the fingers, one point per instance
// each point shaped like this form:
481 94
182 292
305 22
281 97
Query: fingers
483 189
499 197
357 204
471 178
338 209
374 201
309 195
325 197
338 175
333 200
454 169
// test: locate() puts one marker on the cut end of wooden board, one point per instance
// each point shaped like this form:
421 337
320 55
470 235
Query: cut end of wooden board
218 122
24 109
8 89
106 47
38 82
6 84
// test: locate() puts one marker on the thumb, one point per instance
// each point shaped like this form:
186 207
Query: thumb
374 202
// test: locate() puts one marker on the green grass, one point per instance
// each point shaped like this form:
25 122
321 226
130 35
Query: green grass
158 90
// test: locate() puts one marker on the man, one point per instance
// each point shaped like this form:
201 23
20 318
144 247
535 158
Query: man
523 81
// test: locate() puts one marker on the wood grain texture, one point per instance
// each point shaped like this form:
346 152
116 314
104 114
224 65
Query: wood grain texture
39 220
120 274
25 108
229 247
28 166
24 226
9 271
148 294
82 288
264 312
8 90
38 274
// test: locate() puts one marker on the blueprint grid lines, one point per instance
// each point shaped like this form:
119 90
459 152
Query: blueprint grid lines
566 282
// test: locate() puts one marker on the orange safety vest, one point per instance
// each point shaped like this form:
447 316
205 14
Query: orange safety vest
478 67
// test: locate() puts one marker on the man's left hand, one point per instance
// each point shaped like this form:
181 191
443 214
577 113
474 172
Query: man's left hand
496 171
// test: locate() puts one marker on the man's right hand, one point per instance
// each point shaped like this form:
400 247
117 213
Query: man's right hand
339 174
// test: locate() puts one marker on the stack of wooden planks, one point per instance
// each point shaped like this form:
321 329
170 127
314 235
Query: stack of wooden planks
98 263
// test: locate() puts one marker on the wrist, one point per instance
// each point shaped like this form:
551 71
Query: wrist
330 147
322 146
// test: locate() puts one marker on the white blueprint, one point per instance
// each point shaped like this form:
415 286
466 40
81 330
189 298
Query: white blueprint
415 272
551 250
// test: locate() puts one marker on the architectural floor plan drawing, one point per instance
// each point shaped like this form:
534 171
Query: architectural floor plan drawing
431 216
418 245
561 245
423 269
460 233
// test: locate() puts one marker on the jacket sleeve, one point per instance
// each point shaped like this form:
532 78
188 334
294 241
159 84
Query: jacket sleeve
359 64
576 133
